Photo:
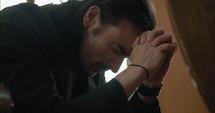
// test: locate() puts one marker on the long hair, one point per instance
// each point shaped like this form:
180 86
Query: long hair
69 15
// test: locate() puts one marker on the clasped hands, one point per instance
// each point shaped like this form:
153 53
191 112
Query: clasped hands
153 50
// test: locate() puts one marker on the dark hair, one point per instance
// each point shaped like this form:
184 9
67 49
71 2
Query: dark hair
138 12
69 15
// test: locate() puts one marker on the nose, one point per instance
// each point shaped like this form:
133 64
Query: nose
116 63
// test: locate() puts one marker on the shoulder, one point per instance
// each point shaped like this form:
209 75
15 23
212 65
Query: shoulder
27 9
27 26
27 16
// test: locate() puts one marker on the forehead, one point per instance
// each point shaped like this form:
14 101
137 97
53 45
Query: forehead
125 34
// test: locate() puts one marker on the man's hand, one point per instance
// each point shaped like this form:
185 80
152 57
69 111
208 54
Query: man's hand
163 41
146 54
165 44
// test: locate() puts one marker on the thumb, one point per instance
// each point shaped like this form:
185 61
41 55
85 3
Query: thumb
137 41
143 36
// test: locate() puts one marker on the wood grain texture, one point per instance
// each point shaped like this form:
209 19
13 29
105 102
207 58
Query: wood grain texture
194 25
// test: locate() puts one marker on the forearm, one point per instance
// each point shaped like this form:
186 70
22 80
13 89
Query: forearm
149 90
148 105
145 98
131 78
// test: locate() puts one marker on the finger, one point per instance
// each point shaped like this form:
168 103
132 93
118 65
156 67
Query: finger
176 46
169 48
155 33
144 36
165 38
137 41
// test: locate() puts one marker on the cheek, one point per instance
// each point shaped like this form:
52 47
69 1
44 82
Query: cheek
106 52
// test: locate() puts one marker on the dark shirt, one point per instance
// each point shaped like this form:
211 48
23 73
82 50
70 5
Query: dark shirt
45 76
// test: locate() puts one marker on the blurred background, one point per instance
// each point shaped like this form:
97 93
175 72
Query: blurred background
189 86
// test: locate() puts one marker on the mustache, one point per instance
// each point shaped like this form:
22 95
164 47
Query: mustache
104 67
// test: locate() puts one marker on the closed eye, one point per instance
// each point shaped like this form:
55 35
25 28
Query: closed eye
120 50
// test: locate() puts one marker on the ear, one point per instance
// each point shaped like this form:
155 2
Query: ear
92 16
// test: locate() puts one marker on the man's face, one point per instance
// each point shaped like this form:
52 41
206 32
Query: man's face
105 47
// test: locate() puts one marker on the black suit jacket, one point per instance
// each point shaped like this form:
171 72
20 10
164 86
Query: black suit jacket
44 78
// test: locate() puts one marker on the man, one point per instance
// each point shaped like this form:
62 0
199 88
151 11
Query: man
53 57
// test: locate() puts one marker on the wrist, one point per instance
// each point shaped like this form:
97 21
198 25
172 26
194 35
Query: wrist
153 83
148 91
143 68
147 99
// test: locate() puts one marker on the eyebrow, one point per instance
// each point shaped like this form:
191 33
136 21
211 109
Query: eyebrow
123 50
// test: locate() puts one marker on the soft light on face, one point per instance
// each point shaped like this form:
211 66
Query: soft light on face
105 47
